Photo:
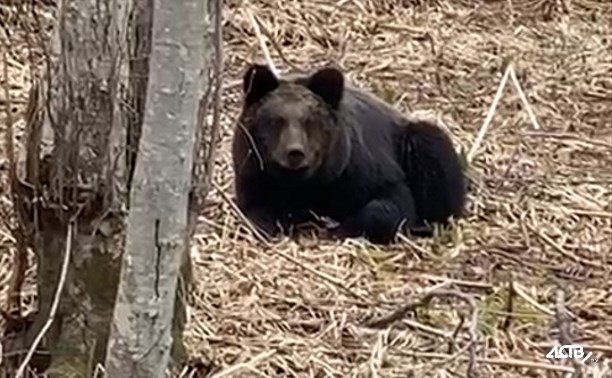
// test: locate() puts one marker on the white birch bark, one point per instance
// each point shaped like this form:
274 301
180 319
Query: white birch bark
140 341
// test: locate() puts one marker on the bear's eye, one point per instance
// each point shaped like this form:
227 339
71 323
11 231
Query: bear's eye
276 122
316 125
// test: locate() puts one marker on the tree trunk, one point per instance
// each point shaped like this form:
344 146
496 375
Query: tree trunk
158 221
73 174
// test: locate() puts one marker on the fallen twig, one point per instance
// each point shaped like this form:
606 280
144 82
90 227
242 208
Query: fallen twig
54 304
424 301
524 100
262 239
563 323
493 361
560 249
490 114
261 40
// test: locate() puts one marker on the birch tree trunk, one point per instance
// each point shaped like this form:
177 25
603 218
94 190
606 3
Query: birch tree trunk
157 230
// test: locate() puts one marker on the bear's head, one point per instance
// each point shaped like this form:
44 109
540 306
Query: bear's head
294 122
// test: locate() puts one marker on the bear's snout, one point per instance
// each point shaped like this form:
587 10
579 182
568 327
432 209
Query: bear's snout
293 151
295 156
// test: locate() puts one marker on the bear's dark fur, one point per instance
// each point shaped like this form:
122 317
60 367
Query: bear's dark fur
312 144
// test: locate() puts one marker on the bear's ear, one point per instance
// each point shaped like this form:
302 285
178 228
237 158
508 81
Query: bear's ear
328 83
258 80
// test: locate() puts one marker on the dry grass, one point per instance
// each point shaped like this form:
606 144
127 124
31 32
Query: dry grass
540 203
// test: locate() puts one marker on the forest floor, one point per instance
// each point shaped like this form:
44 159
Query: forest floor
539 214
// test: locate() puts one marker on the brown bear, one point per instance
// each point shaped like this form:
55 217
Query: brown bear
311 144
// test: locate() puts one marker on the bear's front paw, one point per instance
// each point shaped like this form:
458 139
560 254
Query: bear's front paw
264 223
377 222
343 230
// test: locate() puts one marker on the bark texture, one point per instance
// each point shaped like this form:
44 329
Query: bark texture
72 173
157 228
